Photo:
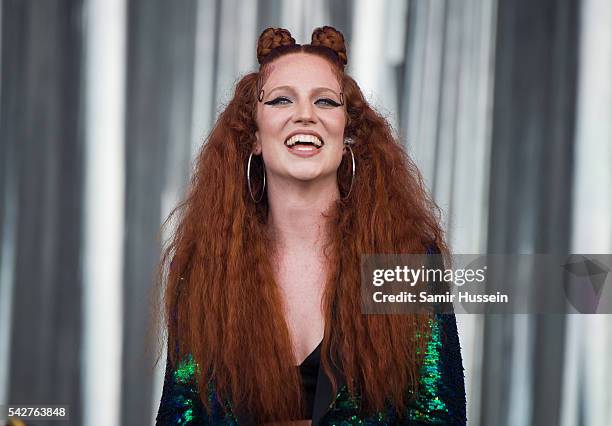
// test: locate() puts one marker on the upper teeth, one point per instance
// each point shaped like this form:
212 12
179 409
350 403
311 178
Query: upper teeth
304 138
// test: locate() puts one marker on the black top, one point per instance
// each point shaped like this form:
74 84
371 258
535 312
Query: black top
309 369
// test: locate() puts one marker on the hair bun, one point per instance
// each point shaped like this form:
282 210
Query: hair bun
330 37
270 39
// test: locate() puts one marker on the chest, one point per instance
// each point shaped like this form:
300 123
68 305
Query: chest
301 280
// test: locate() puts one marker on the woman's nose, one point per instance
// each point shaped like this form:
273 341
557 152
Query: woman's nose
305 112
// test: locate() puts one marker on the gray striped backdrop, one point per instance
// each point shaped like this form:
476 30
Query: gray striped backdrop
505 105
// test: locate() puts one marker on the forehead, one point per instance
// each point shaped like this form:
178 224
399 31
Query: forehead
301 70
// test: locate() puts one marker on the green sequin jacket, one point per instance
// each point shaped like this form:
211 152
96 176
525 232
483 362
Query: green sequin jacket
440 398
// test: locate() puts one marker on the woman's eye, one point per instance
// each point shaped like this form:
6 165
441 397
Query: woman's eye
277 101
283 101
329 102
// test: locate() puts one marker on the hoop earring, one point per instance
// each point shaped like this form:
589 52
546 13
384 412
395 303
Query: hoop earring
348 145
249 180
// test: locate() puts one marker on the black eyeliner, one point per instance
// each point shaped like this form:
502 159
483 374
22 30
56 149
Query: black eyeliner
331 102
275 101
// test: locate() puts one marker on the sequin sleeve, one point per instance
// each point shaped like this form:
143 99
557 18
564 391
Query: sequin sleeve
180 402
441 396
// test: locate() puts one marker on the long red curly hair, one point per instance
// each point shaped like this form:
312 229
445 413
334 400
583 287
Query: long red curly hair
221 303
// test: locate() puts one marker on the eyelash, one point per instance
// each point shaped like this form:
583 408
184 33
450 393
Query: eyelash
276 101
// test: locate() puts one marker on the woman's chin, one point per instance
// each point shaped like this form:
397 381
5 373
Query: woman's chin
312 177
305 174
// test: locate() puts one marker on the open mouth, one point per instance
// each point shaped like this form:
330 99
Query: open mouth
304 142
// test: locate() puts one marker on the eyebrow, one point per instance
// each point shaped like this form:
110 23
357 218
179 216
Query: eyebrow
315 90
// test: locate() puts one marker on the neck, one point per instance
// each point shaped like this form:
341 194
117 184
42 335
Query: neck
296 212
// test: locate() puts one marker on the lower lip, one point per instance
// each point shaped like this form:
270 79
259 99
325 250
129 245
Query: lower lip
304 151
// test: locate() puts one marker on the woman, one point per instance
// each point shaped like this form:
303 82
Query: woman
298 178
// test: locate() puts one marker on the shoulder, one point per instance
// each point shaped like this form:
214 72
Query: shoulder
441 396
